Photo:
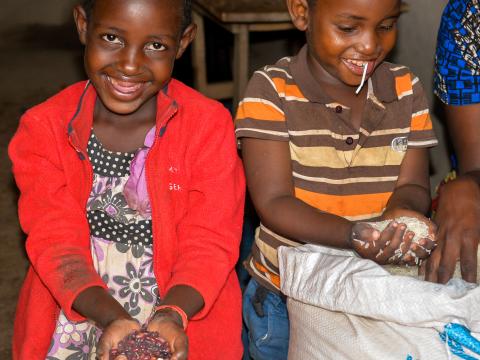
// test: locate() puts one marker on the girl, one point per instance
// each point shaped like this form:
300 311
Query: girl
131 196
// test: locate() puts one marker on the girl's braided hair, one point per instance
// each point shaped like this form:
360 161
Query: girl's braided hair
187 11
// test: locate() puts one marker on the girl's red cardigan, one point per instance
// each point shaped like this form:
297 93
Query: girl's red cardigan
196 187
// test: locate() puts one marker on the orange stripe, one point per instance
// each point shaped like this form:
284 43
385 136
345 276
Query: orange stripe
403 84
348 205
421 122
258 111
274 278
288 90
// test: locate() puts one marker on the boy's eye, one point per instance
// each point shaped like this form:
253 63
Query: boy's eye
155 46
111 38
346 29
387 27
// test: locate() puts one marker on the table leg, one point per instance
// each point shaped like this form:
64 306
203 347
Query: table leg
240 62
198 55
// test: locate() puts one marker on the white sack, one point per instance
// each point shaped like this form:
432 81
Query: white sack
345 307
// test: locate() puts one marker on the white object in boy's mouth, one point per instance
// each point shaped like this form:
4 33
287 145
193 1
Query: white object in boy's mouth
365 66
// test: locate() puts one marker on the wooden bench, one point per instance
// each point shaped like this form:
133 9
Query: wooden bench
240 17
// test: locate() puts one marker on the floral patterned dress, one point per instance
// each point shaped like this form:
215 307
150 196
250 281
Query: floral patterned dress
119 215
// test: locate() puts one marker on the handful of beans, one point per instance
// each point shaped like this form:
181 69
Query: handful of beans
142 345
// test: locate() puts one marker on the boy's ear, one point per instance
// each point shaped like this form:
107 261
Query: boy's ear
298 10
187 37
80 17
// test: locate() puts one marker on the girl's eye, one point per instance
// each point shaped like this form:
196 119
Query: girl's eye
111 38
155 46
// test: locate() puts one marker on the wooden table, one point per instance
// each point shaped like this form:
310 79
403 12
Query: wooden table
240 17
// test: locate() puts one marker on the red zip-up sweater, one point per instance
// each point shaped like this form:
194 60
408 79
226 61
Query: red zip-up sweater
196 188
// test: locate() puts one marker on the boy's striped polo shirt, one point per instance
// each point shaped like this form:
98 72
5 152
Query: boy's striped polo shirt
335 168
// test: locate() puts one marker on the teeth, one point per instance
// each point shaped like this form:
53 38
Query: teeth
357 62
125 86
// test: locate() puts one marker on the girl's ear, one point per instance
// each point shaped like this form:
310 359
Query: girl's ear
187 37
298 10
80 17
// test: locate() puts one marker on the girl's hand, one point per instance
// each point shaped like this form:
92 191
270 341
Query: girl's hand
169 326
113 334
422 249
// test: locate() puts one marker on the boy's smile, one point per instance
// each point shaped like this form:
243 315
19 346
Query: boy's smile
130 49
344 36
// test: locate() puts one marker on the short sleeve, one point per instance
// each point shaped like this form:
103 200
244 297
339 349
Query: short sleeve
260 114
457 65
421 127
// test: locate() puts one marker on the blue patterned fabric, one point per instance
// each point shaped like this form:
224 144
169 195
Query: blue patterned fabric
457 64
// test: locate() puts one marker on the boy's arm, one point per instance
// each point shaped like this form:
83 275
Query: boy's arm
458 213
269 178
412 190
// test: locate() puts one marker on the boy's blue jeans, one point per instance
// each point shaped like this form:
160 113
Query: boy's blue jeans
268 335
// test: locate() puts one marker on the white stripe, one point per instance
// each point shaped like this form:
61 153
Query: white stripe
363 217
414 81
405 93
278 237
277 133
421 112
263 101
286 58
397 68
346 181
268 78
334 105
271 68
263 260
364 132
422 143
292 98
344 137
390 132
322 132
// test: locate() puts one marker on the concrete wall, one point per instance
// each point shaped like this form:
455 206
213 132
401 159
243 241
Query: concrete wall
416 49
15 13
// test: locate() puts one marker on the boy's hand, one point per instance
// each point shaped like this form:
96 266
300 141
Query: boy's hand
424 247
169 326
113 334
394 244
386 247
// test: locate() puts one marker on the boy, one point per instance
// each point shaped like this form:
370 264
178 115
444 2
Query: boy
323 151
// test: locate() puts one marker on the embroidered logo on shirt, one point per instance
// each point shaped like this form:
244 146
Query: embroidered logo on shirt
400 144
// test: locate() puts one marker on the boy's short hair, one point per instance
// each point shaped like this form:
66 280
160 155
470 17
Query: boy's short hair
187 11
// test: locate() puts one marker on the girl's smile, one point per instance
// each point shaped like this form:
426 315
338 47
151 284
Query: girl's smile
126 90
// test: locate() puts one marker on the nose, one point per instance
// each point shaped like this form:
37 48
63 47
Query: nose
130 61
368 43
